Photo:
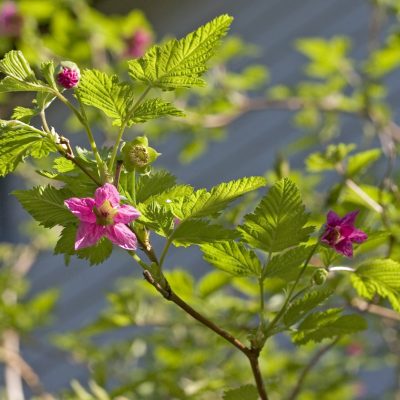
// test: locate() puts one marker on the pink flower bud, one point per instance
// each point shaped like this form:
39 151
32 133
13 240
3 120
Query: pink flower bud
69 75
10 20
138 43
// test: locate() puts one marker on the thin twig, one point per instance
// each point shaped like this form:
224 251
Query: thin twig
311 364
383 312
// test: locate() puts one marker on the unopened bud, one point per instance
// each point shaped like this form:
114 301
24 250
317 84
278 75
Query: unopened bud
320 275
68 75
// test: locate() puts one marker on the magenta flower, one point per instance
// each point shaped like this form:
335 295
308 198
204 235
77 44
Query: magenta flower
103 216
10 20
69 75
137 45
340 233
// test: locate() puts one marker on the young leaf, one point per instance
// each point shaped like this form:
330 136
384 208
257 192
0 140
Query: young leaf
157 218
46 205
278 221
199 232
380 277
202 203
95 254
246 392
286 265
232 257
327 324
20 76
19 140
23 114
180 63
300 307
106 93
155 108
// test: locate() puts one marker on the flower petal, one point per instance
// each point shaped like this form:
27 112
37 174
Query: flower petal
122 236
107 192
349 218
332 219
88 234
126 214
328 237
82 208
358 236
345 247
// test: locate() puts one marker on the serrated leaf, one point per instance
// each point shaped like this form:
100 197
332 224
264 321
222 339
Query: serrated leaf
362 160
327 324
157 218
246 392
154 184
106 93
180 63
378 277
155 108
46 205
300 307
232 257
96 254
18 141
199 232
20 76
278 221
286 266
202 203
23 114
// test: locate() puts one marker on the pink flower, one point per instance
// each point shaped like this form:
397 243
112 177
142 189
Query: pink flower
340 233
69 75
103 216
138 44
10 20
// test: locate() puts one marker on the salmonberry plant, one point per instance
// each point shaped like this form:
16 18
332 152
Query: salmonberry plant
100 198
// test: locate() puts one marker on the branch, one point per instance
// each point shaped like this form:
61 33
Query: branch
311 364
364 306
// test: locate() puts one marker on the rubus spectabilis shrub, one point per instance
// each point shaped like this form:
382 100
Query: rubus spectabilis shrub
106 197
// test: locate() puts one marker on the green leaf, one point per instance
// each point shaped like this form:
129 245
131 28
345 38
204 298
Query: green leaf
232 257
378 277
157 218
23 114
361 161
287 265
202 203
330 158
212 282
180 63
155 108
96 254
278 221
199 232
246 392
18 141
20 76
302 306
327 324
154 184
46 205
106 93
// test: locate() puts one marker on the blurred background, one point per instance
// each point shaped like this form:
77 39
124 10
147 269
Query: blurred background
247 121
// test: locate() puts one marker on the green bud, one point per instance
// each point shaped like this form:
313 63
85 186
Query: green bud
137 155
320 275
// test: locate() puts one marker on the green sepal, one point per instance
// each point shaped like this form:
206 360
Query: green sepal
138 155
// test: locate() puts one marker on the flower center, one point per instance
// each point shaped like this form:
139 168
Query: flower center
105 213
335 237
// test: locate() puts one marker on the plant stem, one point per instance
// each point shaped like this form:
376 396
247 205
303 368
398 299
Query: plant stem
311 364
123 126
289 296
261 286
255 367
82 119
165 250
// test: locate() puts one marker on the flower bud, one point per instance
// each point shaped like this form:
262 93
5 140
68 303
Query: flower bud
138 43
68 75
11 20
319 276
138 155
